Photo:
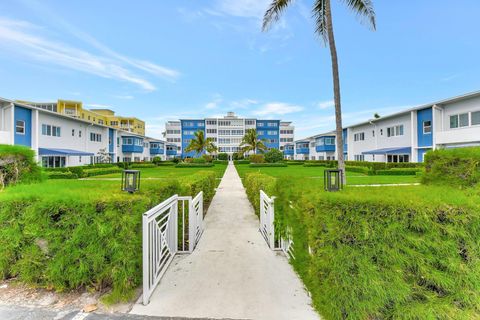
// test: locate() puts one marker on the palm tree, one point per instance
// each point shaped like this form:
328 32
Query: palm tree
322 14
199 144
251 142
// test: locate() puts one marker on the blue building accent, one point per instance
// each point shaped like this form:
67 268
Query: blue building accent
421 152
111 139
289 150
189 127
425 139
171 150
302 147
23 116
269 130
132 144
325 144
157 147
345 138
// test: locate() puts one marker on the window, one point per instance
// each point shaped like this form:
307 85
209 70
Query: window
73 132
212 122
53 162
398 158
260 133
114 123
260 124
49 130
211 130
100 121
272 133
272 124
475 118
359 136
173 131
20 127
127 141
329 141
359 157
373 133
395 131
95 137
79 133
427 127
249 122
459 120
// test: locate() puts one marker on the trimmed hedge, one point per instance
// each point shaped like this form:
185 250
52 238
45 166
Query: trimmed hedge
364 170
61 175
194 165
381 253
374 166
399 172
256 158
220 162
456 166
295 163
313 164
259 165
101 171
165 163
222 156
71 242
142 165
241 161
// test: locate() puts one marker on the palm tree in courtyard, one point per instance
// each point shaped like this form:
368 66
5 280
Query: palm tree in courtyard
322 14
251 142
200 144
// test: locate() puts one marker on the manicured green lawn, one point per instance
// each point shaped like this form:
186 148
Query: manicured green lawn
314 175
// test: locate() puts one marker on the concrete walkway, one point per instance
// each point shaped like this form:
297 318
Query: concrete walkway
232 274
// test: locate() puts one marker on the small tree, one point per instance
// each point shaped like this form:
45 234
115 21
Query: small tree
200 144
251 142
273 155
104 156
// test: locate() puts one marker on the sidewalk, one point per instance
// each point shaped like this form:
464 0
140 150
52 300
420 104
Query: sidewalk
232 273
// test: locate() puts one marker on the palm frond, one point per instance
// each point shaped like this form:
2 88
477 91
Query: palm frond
274 12
364 9
319 14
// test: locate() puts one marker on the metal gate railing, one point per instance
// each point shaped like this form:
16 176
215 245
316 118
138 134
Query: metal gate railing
164 237
267 227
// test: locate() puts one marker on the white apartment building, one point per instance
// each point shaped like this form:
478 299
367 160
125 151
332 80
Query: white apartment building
60 140
227 132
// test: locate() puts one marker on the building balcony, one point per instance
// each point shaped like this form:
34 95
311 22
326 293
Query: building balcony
171 152
303 151
325 148
5 137
458 136
288 152
129 148
156 151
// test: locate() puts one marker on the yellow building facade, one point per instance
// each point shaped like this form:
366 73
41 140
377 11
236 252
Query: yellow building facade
104 117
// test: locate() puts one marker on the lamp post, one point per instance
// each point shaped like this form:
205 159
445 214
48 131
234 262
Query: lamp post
130 180
333 179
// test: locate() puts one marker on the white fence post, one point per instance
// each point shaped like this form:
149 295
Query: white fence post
267 218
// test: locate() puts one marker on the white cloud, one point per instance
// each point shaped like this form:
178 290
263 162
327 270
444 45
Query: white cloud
326 104
124 97
243 104
277 108
217 99
242 8
98 106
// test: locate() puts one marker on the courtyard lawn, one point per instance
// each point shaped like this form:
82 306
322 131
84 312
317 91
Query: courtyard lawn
314 175
167 172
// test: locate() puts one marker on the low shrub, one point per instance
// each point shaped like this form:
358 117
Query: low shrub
273 156
253 183
364 170
123 165
315 164
456 166
199 160
222 156
100 165
78 171
241 161
194 165
321 163
238 156
18 165
256 158
156 160
188 160
166 163
142 165
220 162
71 242
61 175
176 160
294 163
207 157
259 165
399 172
101 171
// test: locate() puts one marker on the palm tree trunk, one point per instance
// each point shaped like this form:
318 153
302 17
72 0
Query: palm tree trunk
336 89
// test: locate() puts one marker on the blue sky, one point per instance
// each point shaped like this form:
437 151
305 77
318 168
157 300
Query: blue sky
170 59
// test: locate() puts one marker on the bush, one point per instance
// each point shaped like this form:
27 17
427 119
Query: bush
199 160
71 242
222 156
123 165
241 161
142 165
363 170
381 253
273 156
100 165
256 158
219 162
315 164
456 166
294 163
166 163
259 165
194 165
78 171
238 156
253 183
157 160
17 165
61 175
176 160
399 172
208 158
101 171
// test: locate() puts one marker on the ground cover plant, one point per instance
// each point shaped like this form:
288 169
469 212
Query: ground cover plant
380 253
17 165
70 234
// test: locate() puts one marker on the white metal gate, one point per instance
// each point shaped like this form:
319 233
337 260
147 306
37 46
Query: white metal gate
161 236
267 227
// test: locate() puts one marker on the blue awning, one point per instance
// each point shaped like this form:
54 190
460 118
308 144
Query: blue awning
62 152
397 150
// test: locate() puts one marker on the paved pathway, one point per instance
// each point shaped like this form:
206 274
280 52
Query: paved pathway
232 273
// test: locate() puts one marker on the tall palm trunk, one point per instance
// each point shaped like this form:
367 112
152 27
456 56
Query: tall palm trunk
336 88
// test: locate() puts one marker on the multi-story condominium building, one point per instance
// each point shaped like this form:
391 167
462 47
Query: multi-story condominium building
227 132
106 117
61 140
407 135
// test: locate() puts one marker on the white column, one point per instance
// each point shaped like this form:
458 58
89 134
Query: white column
413 136
12 121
